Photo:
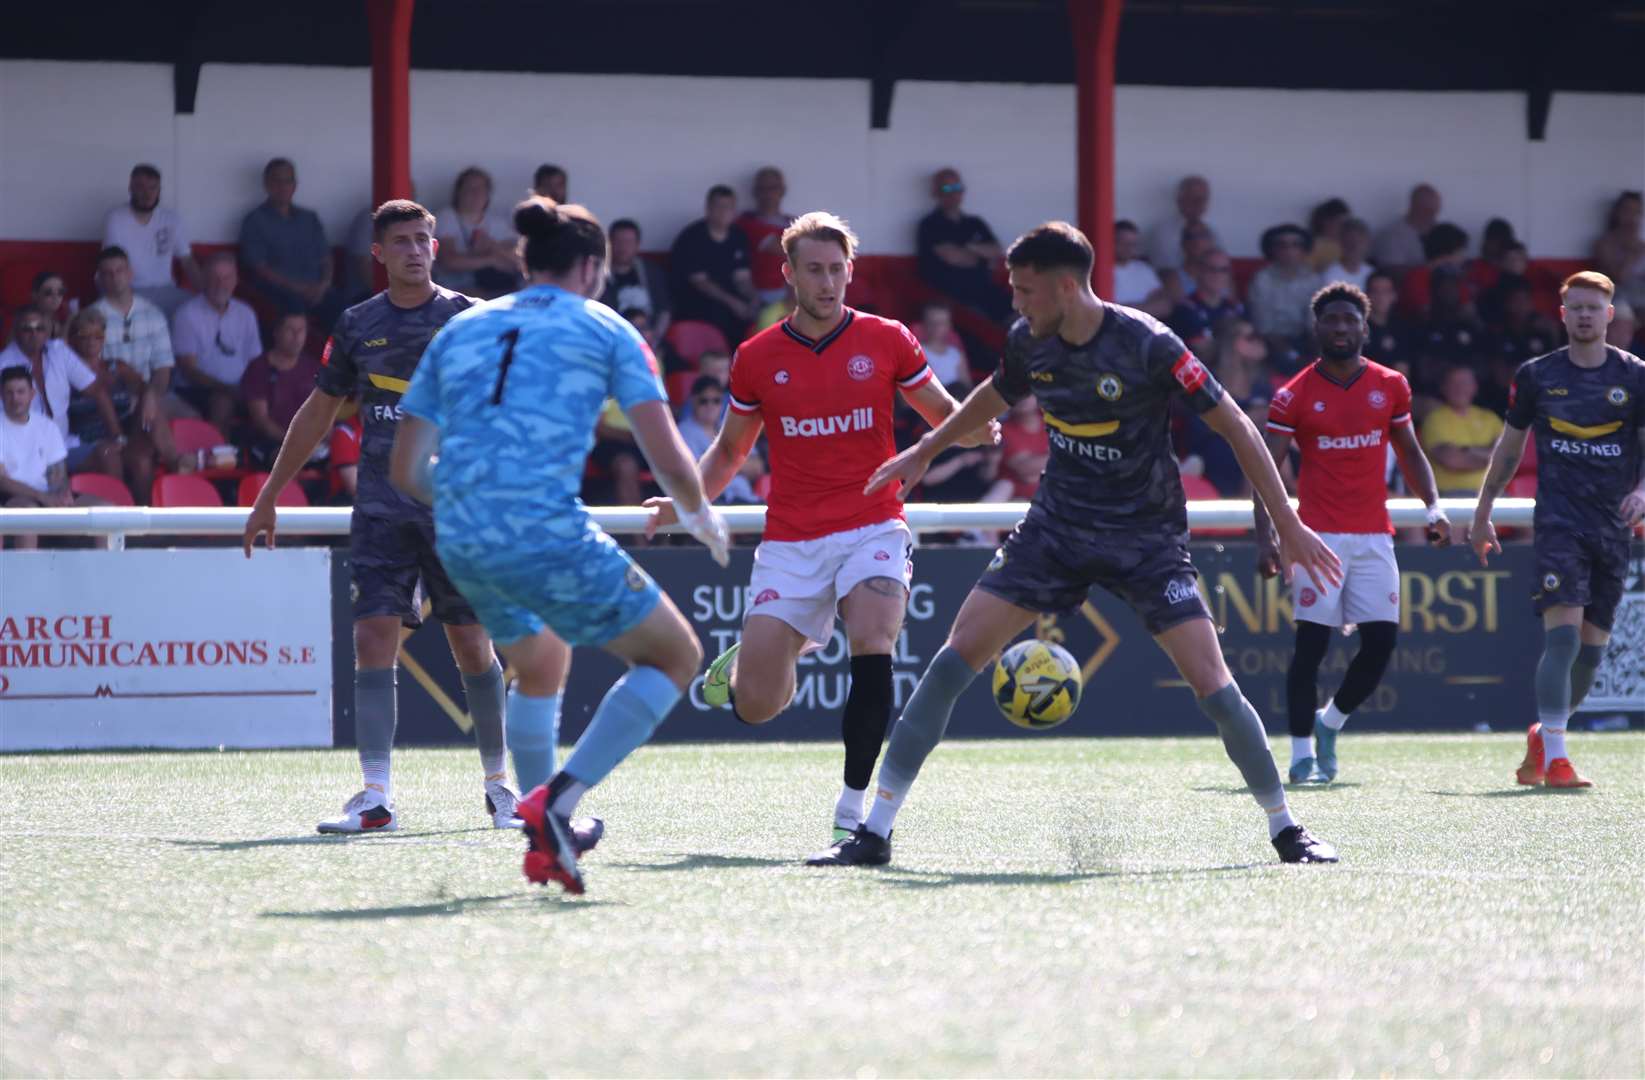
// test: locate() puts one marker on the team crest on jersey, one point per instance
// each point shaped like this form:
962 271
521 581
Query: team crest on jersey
1616 396
1377 399
860 367
780 378
1110 388
1307 597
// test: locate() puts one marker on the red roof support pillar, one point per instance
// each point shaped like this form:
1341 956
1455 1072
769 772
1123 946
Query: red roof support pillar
1096 26
390 99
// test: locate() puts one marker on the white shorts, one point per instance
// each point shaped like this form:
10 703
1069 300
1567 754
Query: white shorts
1370 583
802 582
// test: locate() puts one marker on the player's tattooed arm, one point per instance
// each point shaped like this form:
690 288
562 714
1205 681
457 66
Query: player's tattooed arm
1504 463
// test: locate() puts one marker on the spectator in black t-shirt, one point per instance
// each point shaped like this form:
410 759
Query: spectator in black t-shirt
711 271
1389 340
632 282
1211 301
1521 334
958 252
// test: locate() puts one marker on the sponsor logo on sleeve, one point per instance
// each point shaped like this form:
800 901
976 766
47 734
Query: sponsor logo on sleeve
1189 372
325 354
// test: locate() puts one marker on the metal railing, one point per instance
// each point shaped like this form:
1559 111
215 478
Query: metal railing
119 522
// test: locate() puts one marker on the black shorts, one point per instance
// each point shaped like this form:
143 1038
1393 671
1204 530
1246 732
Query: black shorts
1580 569
1052 571
395 566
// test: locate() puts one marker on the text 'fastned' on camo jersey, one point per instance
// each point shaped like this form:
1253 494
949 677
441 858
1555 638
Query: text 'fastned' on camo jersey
827 408
515 385
372 352
1587 423
1106 405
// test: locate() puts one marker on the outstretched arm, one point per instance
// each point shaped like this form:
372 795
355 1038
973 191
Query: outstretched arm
981 405
935 404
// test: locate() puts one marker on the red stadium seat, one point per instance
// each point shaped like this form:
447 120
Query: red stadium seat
185 489
252 486
691 339
191 435
102 486
679 387
1198 488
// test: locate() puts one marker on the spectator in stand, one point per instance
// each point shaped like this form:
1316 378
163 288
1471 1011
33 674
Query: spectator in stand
958 253
57 372
283 248
1459 435
1167 238
359 268
1389 339
1452 334
632 283
276 384
214 337
1620 252
1281 293
1239 360
1351 265
704 409
1446 250
667 358
942 347
1135 283
1484 272
88 333
710 267
152 236
1398 247
550 181
717 364
764 227
1624 332
477 241
49 295
773 313
1197 239
33 470
100 414
1025 447
1325 223
616 459
1210 303
1521 334
1511 273
137 335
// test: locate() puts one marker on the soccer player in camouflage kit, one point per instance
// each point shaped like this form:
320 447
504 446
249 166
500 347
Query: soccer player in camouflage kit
1587 404
373 352
1110 511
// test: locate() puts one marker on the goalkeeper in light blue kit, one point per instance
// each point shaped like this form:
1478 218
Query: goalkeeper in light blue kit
498 423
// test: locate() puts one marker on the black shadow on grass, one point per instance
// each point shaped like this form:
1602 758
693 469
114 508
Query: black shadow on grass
1511 793
708 862
457 905
943 879
318 839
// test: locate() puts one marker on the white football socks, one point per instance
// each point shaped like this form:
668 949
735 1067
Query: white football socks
848 810
1301 748
1553 744
1333 717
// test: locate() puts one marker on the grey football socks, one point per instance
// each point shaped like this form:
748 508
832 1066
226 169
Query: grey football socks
916 733
1246 742
375 716
486 693
1560 648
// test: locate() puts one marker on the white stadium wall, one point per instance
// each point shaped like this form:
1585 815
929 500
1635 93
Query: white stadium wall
648 147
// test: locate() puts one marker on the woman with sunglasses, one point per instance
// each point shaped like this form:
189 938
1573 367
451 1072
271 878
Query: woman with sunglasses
50 296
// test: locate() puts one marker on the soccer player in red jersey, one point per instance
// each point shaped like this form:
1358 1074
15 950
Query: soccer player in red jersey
823 384
1343 411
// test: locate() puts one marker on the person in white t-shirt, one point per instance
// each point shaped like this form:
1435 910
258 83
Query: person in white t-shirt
34 468
57 373
1354 237
1136 284
215 338
476 254
152 236
942 350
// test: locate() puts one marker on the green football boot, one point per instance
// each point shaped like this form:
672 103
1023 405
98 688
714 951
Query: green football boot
717 682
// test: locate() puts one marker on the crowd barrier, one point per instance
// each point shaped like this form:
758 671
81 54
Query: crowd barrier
201 647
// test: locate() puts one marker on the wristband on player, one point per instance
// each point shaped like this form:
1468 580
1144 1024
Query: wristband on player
706 526
1437 515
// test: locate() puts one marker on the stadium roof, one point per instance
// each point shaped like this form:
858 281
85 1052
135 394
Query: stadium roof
1334 44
